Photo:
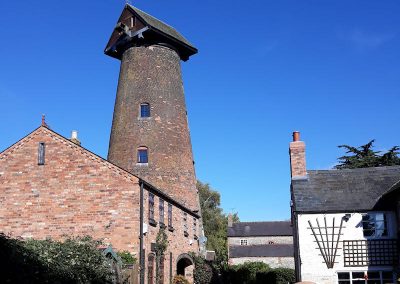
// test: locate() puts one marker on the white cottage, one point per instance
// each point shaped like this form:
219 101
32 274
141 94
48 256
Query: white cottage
345 222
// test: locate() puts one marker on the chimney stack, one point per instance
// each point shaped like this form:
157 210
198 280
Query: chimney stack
297 152
230 220
74 137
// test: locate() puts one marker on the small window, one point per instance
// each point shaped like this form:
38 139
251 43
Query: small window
194 227
185 225
144 110
142 155
151 206
170 215
374 225
243 242
41 151
161 211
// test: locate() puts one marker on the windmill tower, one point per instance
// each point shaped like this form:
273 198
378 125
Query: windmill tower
150 135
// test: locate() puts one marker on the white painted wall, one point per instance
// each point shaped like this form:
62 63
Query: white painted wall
312 266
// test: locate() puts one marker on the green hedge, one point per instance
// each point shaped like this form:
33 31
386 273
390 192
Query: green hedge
76 260
257 273
277 276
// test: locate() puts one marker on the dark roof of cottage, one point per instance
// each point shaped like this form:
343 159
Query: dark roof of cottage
161 26
247 229
281 250
343 190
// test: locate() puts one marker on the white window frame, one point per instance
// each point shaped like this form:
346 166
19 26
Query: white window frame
366 280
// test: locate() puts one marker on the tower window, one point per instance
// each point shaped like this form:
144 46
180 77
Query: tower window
144 110
143 156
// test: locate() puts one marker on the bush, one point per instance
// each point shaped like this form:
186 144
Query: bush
277 276
127 258
245 273
180 279
203 272
76 260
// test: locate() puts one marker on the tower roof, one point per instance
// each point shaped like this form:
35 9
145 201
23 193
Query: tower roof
137 27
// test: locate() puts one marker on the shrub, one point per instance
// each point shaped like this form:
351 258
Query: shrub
126 257
246 273
203 272
76 260
277 276
180 279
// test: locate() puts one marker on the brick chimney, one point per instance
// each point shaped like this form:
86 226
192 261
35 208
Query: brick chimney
297 152
230 220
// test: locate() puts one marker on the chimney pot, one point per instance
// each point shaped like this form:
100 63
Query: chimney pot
296 136
74 137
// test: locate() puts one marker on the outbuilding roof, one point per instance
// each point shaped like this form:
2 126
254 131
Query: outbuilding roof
281 250
248 229
342 190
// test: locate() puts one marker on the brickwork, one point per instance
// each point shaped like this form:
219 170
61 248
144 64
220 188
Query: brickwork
78 193
152 75
297 152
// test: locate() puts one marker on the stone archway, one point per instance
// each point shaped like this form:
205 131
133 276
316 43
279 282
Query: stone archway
185 266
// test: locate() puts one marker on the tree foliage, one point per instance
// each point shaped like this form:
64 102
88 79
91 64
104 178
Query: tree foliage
364 157
215 222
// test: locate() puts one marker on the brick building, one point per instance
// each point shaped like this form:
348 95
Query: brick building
269 242
50 186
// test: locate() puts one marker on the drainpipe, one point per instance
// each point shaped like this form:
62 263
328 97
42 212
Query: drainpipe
141 256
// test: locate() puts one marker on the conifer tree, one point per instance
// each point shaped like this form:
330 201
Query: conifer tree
364 157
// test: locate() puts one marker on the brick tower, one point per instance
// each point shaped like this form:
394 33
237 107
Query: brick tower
150 135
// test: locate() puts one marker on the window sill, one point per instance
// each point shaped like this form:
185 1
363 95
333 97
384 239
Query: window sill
142 164
145 118
152 222
171 229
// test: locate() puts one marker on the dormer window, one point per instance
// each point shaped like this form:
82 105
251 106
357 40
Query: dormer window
144 110
142 155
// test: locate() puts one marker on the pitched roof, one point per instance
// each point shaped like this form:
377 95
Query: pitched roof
282 250
247 229
159 25
47 131
343 190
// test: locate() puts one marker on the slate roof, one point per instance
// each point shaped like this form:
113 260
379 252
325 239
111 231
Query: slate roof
346 190
282 250
161 26
249 229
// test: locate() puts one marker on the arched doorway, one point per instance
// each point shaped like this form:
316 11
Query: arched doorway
184 266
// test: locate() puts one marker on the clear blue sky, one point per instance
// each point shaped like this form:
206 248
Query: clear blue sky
330 69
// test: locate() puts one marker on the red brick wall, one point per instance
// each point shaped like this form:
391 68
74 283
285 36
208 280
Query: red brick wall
77 193
74 193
